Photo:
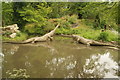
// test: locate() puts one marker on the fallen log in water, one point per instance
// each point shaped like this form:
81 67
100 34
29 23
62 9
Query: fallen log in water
115 48
44 38
88 42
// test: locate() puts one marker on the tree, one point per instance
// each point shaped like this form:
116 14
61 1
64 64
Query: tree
58 9
36 15
7 13
35 12
17 7
102 11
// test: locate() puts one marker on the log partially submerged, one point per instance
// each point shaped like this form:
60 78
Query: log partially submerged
88 42
47 36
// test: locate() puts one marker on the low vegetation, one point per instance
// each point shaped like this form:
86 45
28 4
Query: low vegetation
68 25
20 37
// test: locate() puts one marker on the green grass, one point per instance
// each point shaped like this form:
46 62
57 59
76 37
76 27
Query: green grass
84 32
85 29
90 33
19 37
112 36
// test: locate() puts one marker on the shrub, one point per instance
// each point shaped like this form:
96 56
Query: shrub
21 36
41 29
72 19
103 36
112 36
66 23
48 27
88 22
34 28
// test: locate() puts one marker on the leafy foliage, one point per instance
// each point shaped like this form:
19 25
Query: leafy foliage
101 12
7 13
41 17
35 28
35 13
103 36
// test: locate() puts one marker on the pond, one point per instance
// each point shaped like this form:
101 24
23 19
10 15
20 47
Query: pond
60 58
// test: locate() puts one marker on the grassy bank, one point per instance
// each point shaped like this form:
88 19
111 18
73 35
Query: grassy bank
90 33
20 37
85 32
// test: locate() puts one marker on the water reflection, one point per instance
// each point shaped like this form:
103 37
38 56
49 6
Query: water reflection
44 60
67 63
45 45
62 64
28 64
100 66
17 73
97 66
10 50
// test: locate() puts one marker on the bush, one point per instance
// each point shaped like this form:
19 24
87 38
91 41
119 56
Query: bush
48 27
63 31
103 36
88 22
41 29
67 21
72 19
34 28
112 36
66 24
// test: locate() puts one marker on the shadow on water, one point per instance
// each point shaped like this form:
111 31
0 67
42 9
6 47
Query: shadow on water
61 59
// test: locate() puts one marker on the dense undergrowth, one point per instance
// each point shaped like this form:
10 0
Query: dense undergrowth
68 25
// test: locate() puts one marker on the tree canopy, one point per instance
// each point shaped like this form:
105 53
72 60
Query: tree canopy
23 13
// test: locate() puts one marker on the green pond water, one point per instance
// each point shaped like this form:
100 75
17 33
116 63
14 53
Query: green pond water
60 58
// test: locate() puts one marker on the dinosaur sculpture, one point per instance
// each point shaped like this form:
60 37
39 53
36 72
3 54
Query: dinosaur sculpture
88 42
47 36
